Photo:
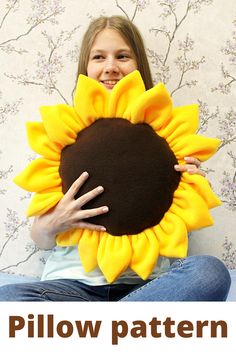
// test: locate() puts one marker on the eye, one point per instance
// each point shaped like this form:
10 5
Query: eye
97 57
122 56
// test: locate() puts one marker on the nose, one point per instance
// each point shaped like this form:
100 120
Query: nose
111 66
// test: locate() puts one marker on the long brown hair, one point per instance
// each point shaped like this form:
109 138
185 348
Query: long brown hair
131 35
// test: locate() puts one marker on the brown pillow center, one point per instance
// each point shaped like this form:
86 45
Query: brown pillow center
133 164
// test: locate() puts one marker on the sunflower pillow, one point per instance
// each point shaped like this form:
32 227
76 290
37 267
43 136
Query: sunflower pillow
128 140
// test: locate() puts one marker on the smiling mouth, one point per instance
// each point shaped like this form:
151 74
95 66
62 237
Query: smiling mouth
109 83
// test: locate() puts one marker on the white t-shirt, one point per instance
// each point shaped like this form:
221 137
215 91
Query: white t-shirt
64 263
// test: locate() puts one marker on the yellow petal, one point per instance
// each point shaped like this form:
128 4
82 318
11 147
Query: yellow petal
42 202
61 123
145 251
172 235
153 107
69 238
90 100
124 93
198 146
202 187
88 246
191 207
40 143
39 175
114 255
184 121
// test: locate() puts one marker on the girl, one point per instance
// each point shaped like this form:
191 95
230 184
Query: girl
111 48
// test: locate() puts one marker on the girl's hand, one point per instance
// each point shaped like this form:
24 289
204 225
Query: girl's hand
67 214
192 166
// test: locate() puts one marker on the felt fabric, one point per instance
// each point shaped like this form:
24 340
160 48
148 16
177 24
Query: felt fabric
128 140
133 164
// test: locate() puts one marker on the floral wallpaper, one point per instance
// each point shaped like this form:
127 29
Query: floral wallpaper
191 45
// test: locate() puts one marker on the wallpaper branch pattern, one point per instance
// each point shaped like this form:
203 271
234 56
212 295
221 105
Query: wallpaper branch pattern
228 74
194 57
183 62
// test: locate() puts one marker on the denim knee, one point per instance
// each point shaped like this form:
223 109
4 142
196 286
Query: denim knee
7 292
213 276
14 292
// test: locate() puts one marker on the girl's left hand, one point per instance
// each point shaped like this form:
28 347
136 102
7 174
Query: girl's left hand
192 166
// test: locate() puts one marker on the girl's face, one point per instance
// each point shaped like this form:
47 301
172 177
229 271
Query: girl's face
110 58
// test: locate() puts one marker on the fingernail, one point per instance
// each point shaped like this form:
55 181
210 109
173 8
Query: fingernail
176 167
186 157
103 228
85 174
105 209
100 189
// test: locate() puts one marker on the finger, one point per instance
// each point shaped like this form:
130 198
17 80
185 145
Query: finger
89 213
185 167
196 172
89 226
191 169
181 168
85 198
192 160
74 188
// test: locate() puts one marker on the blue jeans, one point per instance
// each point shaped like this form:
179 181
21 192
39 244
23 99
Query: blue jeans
196 278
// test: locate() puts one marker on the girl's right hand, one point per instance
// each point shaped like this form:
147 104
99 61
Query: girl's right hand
67 214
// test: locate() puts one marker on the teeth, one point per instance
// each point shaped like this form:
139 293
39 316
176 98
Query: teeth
110 82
